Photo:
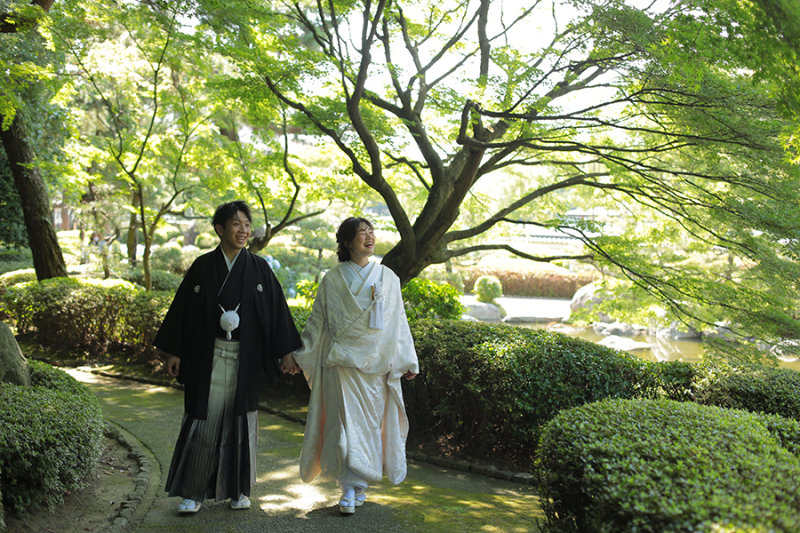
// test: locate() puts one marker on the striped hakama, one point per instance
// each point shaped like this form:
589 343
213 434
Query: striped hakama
216 457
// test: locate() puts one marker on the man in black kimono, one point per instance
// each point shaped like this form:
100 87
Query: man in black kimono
228 322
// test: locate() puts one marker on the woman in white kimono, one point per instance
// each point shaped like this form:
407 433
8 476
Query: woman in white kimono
356 347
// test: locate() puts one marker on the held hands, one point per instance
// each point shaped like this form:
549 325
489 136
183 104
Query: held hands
289 365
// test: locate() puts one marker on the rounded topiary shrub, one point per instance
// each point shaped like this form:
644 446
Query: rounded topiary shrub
424 298
752 388
661 465
206 241
487 288
168 257
51 436
491 386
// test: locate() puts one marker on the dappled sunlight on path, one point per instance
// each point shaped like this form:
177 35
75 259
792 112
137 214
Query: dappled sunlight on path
432 499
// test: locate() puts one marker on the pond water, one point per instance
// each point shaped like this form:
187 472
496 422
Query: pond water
660 349
548 314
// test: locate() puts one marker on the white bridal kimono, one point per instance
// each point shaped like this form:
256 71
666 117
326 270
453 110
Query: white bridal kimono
356 347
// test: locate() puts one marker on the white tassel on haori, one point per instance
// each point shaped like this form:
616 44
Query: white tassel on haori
229 320
376 315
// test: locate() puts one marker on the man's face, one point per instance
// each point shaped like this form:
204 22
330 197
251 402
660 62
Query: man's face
236 232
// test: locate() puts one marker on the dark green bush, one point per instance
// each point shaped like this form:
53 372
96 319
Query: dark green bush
88 315
785 431
490 385
20 255
300 314
676 380
427 299
665 466
161 280
50 439
168 257
752 388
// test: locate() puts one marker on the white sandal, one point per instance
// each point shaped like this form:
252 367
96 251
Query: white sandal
360 497
188 506
347 505
242 503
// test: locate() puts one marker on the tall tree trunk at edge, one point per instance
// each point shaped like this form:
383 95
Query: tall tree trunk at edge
47 257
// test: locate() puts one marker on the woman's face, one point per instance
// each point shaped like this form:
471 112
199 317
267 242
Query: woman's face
363 244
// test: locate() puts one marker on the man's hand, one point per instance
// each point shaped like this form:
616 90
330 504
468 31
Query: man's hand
289 365
173 366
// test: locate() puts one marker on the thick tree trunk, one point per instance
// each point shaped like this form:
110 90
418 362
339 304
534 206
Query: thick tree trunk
47 258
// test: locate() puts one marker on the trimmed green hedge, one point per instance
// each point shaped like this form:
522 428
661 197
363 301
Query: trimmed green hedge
753 388
88 314
665 466
491 385
424 298
50 439
161 280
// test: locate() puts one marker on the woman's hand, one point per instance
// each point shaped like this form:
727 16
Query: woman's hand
410 375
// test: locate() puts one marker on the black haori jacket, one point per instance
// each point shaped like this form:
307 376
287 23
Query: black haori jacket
266 330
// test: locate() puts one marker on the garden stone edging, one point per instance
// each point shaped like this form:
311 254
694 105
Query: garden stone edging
141 482
464 466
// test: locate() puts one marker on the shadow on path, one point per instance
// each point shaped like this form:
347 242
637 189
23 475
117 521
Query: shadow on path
431 499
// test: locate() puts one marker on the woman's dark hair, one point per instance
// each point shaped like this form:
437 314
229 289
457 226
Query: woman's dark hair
346 233
225 212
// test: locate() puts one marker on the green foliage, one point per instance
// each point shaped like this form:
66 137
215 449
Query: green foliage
16 276
445 274
427 299
752 388
660 465
677 380
488 288
300 313
16 255
50 439
168 257
161 280
307 290
297 263
785 431
492 386
88 315
206 241
11 261
12 230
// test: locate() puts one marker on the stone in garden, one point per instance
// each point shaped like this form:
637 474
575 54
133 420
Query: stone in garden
623 344
618 329
484 311
586 297
13 365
